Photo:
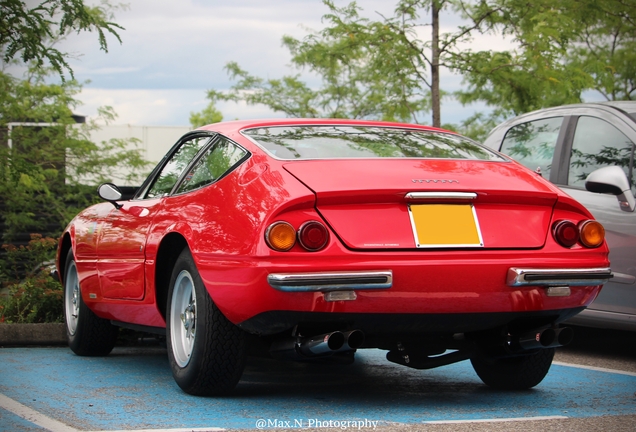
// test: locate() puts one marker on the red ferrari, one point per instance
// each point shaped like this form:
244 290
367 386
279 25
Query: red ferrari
310 239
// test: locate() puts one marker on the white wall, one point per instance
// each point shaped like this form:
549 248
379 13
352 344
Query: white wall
155 141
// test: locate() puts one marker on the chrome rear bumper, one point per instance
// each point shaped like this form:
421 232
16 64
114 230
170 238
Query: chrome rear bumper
520 277
331 281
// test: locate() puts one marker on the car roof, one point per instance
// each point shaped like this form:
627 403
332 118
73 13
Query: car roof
625 106
628 106
622 108
239 125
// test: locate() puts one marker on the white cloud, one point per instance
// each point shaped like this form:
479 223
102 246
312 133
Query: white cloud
164 107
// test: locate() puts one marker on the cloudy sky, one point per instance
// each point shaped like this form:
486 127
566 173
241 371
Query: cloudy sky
173 51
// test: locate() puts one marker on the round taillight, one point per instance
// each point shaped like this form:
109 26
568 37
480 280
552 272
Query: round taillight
566 233
592 233
313 236
280 236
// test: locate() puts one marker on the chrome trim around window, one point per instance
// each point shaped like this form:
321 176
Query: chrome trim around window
520 277
331 281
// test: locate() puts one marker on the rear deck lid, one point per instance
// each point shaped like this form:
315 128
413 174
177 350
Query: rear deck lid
382 188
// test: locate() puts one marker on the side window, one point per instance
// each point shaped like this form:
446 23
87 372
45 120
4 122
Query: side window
216 161
532 144
172 170
597 144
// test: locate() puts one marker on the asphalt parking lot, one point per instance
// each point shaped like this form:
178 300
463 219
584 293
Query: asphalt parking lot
592 386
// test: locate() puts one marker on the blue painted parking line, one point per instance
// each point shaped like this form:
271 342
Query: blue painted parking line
135 390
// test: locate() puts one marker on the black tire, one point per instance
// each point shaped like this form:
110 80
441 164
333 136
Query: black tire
206 351
514 373
87 334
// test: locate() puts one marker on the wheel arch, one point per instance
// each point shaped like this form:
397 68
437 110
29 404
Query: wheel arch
65 246
167 254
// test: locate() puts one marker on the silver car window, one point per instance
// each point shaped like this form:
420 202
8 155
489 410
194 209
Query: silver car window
532 144
172 170
216 161
597 144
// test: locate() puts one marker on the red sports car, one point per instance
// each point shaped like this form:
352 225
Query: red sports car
310 239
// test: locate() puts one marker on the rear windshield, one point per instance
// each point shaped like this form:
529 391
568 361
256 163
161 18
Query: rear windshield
329 142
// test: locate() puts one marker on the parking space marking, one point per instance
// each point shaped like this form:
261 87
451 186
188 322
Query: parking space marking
497 420
33 416
595 368
135 389
209 429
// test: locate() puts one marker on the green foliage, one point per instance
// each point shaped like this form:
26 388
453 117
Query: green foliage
207 116
564 48
386 69
37 297
532 76
50 172
605 48
377 69
27 32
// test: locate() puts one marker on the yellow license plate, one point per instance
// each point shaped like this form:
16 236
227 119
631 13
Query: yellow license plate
445 225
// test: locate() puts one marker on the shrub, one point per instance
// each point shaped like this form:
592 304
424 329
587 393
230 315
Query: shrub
30 294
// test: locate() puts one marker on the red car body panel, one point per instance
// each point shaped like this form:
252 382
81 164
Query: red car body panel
363 204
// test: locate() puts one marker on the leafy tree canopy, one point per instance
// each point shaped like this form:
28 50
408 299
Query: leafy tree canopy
49 172
387 68
369 68
27 32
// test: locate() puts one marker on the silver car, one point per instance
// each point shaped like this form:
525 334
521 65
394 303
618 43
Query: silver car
588 151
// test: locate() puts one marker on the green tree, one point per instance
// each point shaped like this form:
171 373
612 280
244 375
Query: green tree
384 69
47 162
563 48
534 74
369 68
49 172
28 33
206 116
606 46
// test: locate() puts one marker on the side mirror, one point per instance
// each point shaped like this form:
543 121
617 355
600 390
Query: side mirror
612 180
111 193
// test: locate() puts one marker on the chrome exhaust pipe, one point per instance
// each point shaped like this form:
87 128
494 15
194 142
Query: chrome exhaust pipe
543 338
564 335
353 340
326 343
316 346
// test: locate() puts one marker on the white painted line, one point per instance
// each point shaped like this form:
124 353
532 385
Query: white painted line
497 420
33 416
594 368
52 425
170 430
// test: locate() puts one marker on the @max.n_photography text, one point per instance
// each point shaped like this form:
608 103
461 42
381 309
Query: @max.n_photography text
316 423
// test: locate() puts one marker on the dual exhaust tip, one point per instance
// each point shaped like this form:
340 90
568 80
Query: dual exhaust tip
543 338
331 343
317 346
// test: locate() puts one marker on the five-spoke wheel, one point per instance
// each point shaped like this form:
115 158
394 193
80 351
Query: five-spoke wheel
183 320
205 350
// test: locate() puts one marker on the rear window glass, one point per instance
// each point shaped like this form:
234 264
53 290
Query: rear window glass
331 142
